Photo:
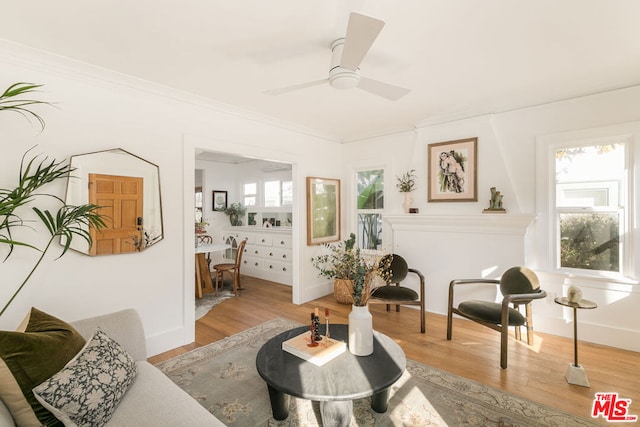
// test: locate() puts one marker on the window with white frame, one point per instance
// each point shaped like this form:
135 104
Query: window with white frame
278 193
250 193
370 205
589 216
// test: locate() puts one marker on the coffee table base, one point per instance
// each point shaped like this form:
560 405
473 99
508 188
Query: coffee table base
334 412
279 403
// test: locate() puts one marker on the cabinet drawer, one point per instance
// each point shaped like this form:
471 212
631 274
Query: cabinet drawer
255 251
263 240
251 262
277 267
278 254
282 242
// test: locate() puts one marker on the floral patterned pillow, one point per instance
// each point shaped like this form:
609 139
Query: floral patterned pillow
88 389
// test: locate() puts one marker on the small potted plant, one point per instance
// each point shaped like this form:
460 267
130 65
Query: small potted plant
406 184
351 270
235 211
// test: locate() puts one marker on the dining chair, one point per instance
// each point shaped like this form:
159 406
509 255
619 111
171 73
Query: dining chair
232 268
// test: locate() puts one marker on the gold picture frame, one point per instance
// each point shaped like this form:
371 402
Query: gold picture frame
452 171
323 210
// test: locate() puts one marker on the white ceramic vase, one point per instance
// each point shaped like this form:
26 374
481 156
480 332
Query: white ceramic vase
360 331
408 200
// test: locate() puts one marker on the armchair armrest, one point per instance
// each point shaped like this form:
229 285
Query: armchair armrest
511 298
421 277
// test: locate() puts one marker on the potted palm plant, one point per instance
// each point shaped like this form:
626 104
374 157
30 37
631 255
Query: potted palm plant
68 222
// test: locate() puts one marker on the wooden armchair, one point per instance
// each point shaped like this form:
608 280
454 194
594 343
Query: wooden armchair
519 286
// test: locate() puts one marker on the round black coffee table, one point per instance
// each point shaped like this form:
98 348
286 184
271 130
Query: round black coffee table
336 383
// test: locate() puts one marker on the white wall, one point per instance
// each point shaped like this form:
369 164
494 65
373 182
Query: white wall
506 160
98 110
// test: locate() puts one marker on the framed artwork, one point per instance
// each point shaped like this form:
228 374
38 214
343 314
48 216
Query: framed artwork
219 200
452 171
323 210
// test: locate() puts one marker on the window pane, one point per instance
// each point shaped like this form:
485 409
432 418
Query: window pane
250 200
272 193
369 231
250 189
590 241
371 189
589 176
287 193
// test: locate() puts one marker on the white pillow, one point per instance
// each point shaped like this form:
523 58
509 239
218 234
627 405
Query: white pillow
88 389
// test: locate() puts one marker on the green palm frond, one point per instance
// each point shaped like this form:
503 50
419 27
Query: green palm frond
8 101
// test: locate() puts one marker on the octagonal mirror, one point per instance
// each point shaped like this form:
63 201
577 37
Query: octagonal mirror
127 188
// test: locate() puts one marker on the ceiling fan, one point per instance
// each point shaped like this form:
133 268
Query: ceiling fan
346 55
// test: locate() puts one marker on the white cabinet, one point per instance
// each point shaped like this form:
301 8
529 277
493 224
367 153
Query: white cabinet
267 255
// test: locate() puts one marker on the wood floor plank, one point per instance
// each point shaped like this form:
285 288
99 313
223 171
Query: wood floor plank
535 372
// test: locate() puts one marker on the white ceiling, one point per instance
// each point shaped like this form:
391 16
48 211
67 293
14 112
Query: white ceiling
459 57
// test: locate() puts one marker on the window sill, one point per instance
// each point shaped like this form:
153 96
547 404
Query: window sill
618 283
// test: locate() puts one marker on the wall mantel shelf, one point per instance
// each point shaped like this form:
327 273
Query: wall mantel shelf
515 224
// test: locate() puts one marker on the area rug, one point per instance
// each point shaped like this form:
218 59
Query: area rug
210 300
223 378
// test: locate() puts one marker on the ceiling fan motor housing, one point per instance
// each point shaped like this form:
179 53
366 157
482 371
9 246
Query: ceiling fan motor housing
340 77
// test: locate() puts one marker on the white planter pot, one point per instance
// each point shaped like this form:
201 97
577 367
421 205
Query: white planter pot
360 331
408 200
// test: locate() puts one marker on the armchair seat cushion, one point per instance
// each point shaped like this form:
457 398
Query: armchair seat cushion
396 293
491 312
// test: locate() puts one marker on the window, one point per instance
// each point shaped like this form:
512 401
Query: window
278 193
272 194
370 203
287 193
250 190
590 206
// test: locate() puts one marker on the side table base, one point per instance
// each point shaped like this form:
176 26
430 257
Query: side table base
577 375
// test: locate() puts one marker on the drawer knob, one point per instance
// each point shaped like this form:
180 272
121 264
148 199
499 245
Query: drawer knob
262 240
284 268
256 252
284 255
271 266
270 253
256 264
282 242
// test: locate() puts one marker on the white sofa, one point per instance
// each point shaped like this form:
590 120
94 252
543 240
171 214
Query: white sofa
152 399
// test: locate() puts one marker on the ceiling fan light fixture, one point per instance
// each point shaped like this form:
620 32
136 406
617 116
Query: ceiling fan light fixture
341 78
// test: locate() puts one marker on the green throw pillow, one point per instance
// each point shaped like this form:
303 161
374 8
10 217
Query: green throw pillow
88 389
30 357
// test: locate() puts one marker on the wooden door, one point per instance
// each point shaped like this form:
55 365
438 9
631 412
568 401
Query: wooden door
120 198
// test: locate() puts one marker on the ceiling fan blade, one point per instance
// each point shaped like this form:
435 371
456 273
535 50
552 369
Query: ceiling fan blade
288 89
362 31
385 90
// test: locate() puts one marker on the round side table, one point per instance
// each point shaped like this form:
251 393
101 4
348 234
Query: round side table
575 373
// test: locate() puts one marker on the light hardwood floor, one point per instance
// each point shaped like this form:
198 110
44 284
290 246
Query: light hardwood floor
535 372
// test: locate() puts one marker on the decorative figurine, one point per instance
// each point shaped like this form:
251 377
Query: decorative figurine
574 294
495 204
313 327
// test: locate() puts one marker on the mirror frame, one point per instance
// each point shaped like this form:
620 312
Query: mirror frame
77 191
